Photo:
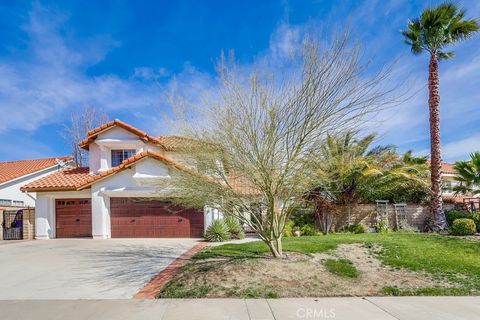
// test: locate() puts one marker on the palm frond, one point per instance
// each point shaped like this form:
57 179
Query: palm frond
438 27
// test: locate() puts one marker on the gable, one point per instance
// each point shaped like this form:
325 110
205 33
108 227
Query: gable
117 133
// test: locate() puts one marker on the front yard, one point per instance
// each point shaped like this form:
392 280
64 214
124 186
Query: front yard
334 265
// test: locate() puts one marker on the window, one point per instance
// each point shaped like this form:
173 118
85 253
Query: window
119 155
5 202
8 203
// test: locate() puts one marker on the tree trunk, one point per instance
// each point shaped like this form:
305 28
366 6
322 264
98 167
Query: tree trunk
275 246
435 153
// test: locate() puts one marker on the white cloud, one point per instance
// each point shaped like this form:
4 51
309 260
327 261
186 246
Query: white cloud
51 81
458 149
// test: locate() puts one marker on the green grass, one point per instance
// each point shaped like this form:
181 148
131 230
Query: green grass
341 267
453 259
175 289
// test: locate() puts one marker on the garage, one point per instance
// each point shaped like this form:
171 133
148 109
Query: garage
144 218
73 218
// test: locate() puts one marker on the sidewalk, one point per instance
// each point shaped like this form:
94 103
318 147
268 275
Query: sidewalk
372 308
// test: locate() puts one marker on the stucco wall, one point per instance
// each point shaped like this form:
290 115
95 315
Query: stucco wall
11 189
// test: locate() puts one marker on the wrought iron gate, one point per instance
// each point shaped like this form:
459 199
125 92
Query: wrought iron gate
13 225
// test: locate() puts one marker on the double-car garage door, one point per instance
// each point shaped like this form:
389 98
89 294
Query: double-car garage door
130 218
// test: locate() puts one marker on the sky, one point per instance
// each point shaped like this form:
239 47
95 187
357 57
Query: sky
123 57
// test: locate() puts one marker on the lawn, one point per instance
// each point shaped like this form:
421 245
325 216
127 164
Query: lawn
334 265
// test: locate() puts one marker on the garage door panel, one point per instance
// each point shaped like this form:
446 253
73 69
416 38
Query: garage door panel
153 219
73 218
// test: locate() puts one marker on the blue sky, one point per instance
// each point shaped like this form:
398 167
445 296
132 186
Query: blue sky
123 56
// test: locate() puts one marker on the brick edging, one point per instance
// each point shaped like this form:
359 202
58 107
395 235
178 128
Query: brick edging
151 289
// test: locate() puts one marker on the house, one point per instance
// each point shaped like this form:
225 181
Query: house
448 183
448 179
114 196
14 174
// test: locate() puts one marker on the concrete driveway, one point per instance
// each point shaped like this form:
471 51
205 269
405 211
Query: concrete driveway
84 268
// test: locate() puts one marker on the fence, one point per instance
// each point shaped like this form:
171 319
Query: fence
415 215
17 224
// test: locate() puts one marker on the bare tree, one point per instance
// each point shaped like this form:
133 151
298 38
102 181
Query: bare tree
257 137
81 122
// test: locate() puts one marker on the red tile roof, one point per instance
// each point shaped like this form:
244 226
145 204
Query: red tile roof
63 180
80 178
15 169
128 163
447 168
92 134
169 143
173 143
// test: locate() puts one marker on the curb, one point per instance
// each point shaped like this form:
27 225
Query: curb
151 289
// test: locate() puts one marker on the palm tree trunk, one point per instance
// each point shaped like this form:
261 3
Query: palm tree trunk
435 153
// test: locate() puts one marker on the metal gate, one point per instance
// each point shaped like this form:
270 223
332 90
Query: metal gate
13 225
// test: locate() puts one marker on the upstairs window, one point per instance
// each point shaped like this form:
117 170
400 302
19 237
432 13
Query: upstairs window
119 155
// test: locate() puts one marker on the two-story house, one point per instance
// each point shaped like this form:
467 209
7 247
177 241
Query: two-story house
115 197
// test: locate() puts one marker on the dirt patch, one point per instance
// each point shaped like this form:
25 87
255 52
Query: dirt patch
300 275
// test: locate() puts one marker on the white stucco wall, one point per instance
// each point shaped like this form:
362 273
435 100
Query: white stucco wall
45 211
133 182
10 190
94 157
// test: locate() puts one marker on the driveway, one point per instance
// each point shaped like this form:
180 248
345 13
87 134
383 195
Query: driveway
84 268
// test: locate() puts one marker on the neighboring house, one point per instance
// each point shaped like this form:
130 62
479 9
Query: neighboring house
114 196
14 174
448 183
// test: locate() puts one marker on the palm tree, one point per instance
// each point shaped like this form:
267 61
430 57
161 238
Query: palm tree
343 163
468 175
437 28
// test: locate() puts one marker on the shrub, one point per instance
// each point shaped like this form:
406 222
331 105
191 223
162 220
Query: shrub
309 230
303 216
217 232
356 228
234 228
382 226
463 227
453 215
288 230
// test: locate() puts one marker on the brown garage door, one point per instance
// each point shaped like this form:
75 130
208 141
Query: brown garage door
73 218
138 218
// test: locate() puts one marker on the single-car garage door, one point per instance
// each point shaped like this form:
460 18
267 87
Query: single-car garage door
140 218
73 218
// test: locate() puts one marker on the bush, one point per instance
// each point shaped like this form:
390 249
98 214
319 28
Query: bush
288 230
217 232
463 227
356 228
453 215
382 226
234 228
309 230
303 216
